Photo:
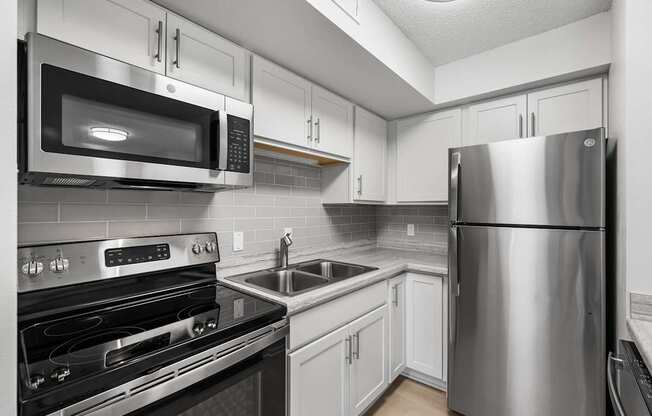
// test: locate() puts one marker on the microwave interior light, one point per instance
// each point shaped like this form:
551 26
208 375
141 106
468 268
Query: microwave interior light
109 134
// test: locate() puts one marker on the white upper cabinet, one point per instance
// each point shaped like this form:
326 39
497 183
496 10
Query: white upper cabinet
369 158
200 57
332 117
282 106
495 120
570 107
422 145
132 31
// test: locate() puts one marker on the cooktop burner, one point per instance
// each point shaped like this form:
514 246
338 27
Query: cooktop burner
89 327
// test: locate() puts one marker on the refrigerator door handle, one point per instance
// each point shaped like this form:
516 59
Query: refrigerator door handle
454 283
611 382
456 167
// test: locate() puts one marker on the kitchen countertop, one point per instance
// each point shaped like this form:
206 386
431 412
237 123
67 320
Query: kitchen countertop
390 263
641 331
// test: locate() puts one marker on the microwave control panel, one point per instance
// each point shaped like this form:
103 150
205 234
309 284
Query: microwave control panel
239 142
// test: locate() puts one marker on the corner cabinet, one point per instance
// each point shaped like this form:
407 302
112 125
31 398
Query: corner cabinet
343 372
422 145
143 34
289 110
397 326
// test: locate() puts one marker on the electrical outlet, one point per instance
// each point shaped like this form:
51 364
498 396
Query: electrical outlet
410 230
287 230
238 241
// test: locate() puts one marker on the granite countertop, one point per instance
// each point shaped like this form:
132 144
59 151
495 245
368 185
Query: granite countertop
390 263
641 331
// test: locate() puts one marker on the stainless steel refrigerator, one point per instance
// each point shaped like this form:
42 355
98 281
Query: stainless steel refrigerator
527 277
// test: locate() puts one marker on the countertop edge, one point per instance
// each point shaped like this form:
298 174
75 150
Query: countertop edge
641 332
309 300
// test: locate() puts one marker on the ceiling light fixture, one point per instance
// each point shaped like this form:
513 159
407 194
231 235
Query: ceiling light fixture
109 134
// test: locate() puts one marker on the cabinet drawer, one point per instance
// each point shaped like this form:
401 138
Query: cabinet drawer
316 322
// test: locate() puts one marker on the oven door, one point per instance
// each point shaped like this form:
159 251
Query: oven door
93 116
629 382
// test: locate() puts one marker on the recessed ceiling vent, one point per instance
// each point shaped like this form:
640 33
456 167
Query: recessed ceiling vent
63 181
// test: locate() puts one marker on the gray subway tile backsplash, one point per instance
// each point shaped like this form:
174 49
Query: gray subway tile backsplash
430 226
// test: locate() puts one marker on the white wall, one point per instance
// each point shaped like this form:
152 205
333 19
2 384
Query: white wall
582 47
8 27
375 32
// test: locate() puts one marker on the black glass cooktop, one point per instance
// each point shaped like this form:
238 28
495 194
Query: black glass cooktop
96 344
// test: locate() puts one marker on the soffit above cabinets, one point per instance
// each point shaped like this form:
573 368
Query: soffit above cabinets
449 31
301 36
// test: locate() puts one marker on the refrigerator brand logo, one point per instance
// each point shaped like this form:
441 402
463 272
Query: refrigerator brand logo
589 142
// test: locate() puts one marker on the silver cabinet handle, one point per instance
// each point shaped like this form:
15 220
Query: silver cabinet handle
309 137
520 125
360 184
348 354
455 167
177 40
395 295
318 127
611 382
356 353
159 40
532 122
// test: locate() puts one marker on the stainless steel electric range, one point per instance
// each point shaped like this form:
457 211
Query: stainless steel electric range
140 326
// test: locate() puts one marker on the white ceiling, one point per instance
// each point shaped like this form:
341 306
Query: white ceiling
449 31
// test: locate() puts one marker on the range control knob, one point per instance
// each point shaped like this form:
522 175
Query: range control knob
198 328
60 374
197 249
35 381
211 323
32 268
59 265
210 247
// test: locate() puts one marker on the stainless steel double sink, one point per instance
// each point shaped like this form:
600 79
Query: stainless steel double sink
301 277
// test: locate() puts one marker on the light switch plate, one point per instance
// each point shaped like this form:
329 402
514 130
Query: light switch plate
238 241
410 230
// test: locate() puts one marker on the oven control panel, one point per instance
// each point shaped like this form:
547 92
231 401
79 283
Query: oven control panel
114 257
239 144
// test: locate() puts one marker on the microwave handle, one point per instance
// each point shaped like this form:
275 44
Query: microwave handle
223 141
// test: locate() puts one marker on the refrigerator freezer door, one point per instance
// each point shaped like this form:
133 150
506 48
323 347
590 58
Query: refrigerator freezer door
528 325
550 181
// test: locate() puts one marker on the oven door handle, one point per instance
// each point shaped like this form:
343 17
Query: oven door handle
611 382
166 381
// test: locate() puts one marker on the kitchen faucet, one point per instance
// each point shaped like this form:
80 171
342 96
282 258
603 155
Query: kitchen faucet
286 241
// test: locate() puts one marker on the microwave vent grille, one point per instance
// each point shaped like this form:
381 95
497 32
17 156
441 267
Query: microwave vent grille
64 181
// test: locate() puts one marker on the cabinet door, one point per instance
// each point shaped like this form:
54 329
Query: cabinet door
567 108
369 372
205 59
370 143
333 122
422 155
425 337
495 120
127 30
281 101
319 376
396 304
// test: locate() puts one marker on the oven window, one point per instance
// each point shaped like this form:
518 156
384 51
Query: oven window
253 387
87 116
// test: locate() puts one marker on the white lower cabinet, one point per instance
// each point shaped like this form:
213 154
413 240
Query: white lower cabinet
396 303
343 372
426 322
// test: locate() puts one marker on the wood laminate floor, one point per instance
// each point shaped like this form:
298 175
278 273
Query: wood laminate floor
409 398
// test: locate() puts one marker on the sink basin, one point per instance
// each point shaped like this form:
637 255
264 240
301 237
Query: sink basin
302 277
334 270
285 282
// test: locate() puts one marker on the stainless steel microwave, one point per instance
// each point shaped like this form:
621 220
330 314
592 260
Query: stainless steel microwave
94 121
